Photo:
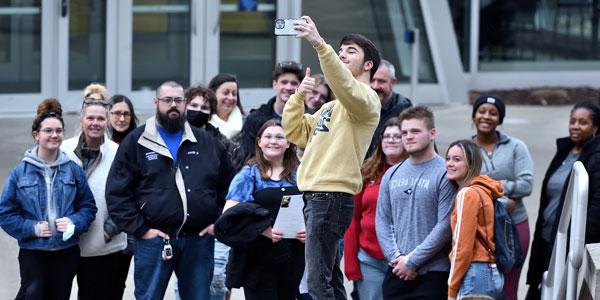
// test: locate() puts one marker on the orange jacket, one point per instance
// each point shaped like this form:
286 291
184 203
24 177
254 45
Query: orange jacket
467 221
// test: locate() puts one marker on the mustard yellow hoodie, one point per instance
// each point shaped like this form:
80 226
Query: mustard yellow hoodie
337 136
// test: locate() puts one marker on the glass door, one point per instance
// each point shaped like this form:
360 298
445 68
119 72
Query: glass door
160 43
20 46
87 43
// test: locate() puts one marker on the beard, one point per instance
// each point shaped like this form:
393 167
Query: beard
170 124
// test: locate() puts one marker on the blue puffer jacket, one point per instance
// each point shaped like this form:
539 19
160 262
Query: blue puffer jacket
36 191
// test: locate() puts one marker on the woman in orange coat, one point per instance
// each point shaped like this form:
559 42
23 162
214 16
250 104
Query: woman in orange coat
473 270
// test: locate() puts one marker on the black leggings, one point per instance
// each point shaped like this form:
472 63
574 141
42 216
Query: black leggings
431 285
103 277
47 274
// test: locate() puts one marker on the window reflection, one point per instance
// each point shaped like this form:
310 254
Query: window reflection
384 22
539 34
161 42
20 46
87 42
247 43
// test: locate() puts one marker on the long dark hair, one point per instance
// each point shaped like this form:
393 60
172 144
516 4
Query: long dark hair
118 98
218 80
290 160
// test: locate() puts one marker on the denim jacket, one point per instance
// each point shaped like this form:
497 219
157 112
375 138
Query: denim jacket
26 201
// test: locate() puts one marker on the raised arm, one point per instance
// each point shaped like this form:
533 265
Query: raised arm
297 125
357 97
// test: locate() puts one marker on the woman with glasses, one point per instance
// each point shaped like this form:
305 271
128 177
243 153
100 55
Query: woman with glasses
506 159
230 114
46 205
274 265
363 259
122 117
103 266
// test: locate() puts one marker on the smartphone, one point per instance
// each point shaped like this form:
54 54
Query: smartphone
286 26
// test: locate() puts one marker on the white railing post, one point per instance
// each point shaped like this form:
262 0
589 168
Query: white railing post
560 281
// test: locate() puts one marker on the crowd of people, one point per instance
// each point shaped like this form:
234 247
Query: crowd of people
409 221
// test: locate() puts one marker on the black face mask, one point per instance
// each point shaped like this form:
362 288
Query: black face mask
197 118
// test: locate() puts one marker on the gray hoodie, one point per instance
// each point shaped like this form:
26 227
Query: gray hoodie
511 164
49 172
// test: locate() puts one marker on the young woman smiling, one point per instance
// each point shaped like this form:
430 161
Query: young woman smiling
46 205
103 266
230 114
274 265
581 145
507 160
473 270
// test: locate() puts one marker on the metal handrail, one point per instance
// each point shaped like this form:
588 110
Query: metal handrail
557 282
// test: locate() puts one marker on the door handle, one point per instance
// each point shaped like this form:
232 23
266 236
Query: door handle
64 8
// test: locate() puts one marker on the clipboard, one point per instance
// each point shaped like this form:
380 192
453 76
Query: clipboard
290 218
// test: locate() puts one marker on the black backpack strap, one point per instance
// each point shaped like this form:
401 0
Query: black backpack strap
479 237
396 169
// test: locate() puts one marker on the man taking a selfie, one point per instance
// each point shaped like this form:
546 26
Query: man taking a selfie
335 138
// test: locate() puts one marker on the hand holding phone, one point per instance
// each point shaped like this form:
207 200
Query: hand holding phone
285 27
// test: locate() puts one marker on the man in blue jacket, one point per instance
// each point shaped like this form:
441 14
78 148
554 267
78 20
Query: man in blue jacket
166 186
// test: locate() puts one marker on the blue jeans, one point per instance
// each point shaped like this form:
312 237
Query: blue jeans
192 262
217 287
482 279
328 215
373 271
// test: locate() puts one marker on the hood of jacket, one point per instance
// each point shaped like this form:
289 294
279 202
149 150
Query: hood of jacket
31 157
492 187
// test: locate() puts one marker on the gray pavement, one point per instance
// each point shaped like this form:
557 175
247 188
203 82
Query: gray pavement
537 126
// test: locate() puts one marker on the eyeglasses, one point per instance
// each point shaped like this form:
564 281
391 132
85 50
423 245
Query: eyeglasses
50 131
276 137
121 114
95 101
393 137
289 65
169 100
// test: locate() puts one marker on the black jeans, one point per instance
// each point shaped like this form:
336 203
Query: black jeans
103 277
328 215
431 285
47 274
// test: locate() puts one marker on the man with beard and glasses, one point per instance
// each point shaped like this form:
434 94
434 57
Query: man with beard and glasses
413 214
167 186
392 104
